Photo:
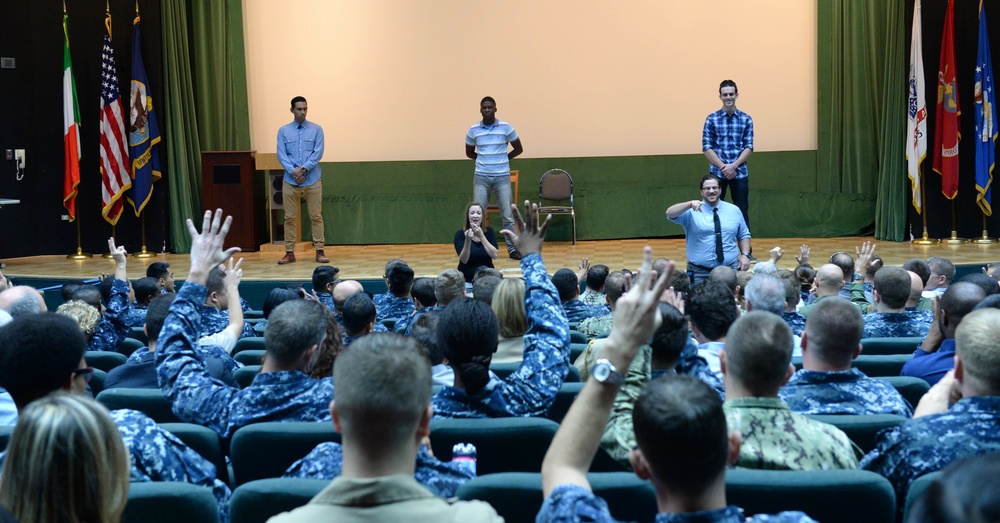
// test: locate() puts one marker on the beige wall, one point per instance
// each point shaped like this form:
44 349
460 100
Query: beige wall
402 79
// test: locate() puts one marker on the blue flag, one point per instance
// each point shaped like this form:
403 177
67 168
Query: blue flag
986 119
143 131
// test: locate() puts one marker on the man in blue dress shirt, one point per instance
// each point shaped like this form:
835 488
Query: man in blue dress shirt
300 148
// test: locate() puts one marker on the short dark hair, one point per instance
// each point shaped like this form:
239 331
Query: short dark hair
277 296
293 327
483 271
728 83
487 99
792 286
920 267
988 284
146 289
425 331
482 288
423 291
707 177
105 288
89 295
806 276
158 270
69 288
468 333
711 308
157 313
298 99
893 286
669 340
957 495
688 414
323 276
833 330
596 276
359 311
614 286
216 281
38 354
959 300
400 279
758 351
680 281
566 283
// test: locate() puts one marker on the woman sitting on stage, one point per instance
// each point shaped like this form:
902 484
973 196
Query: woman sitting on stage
475 245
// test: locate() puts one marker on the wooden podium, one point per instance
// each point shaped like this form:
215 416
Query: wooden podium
227 183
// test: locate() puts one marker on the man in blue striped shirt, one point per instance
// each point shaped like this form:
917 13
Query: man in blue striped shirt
487 143
727 141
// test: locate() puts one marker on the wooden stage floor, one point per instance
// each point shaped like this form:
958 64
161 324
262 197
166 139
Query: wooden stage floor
366 262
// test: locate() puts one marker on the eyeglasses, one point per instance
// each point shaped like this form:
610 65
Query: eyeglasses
86 372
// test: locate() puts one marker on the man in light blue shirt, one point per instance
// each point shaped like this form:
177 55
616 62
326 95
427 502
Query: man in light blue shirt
486 143
715 230
300 148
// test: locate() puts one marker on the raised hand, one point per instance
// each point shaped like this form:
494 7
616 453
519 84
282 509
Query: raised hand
803 257
532 235
206 246
636 313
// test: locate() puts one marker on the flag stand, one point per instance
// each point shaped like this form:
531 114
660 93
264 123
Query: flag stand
923 208
144 253
79 254
108 255
985 239
954 240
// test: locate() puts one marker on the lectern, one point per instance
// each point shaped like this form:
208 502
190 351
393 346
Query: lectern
227 183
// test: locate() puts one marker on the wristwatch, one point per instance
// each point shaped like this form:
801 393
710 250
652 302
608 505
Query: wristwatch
747 254
604 372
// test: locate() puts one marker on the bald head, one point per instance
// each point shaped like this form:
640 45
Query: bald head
344 290
916 289
956 302
724 274
829 280
22 299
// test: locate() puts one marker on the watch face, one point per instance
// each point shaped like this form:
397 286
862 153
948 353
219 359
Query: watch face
601 372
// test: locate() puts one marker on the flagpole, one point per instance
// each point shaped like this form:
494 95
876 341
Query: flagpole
925 240
79 254
954 240
144 253
986 235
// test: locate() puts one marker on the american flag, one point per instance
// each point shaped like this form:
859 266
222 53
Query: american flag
114 152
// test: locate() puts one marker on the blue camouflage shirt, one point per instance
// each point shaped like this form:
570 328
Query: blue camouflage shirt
691 364
795 321
530 390
842 392
139 370
112 329
572 503
894 325
134 316
326 461
197 398
326 299
215 320
389 306
406 324
577 311
970 427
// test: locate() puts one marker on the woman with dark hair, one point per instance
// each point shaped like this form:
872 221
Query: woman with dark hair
277 296
475 245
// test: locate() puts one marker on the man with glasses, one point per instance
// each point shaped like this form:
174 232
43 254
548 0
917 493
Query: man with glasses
716 232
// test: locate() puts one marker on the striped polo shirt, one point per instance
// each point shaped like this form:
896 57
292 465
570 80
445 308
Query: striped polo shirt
491 146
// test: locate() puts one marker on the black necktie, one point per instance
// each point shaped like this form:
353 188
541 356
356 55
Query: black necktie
300 126
718 235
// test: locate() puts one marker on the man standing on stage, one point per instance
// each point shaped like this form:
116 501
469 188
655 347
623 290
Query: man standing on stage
715 231
727 141
486 143
300 148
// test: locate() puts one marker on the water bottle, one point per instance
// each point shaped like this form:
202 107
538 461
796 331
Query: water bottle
464 454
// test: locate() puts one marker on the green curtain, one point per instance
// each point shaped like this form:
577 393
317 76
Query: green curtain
205 97
861 101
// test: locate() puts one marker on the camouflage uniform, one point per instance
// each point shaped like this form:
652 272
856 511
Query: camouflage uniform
346 339
970 427
690 363
530 390
197 398
389 306
842 392
577 311
862 307
214 320
219 363
597 326
404 325
326 461
339 316
112 329
134 316
894 325
575 503
795 321
326 299
774 437
592 297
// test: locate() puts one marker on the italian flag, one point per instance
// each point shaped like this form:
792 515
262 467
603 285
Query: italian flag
71 130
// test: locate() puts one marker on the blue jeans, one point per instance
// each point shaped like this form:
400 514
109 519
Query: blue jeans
482 186
741 195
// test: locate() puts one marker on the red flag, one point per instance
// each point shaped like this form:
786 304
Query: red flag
71 130
946 130
114 152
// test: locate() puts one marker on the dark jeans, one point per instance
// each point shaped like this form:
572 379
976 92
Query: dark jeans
741 195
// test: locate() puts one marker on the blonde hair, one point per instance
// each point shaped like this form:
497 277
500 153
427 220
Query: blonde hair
66 462
84 314
508 305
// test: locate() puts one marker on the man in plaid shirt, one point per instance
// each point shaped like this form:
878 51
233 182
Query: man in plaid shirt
727 141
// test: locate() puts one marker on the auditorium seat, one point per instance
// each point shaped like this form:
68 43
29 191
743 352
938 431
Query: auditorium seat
863 430
243 344
258 501
266 450
169 502
250 357
148 401
104 360
502 444
139 333
889 346
564 399
878 366
917 490
96 383
245 375
912 389
205 442
576 336
130 345
575 350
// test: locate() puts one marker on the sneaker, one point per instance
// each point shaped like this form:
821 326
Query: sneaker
289 258
321 258
751 258
514 255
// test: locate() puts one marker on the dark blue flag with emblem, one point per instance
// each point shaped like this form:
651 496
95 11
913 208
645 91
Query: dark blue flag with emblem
143 131
986 119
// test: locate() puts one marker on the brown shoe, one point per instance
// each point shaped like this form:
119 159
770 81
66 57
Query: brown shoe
321 258
289 258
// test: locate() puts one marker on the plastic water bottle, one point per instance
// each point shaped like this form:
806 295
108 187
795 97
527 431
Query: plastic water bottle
464 454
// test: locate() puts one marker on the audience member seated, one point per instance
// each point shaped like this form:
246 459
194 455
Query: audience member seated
938 434
568 286
845 262
680 429
42 353
324 280
992 270
68 288
425 332
595 276
448 287
922 269
396 302
164 276
614 286
382 413
359 318
483 286
139 371
988 284
828 282
393 351
214 310
793 284
508 305
145 290
711 310
275 297
328 351
936 355
827 384
341 293
468 334
890 319
767 293
942 272
103 326
755 365
281 392
807 275
958 495
916 296
65 462
726 275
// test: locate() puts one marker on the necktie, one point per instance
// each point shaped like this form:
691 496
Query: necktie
718 235
300 126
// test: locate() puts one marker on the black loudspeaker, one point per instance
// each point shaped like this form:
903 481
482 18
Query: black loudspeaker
274 191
